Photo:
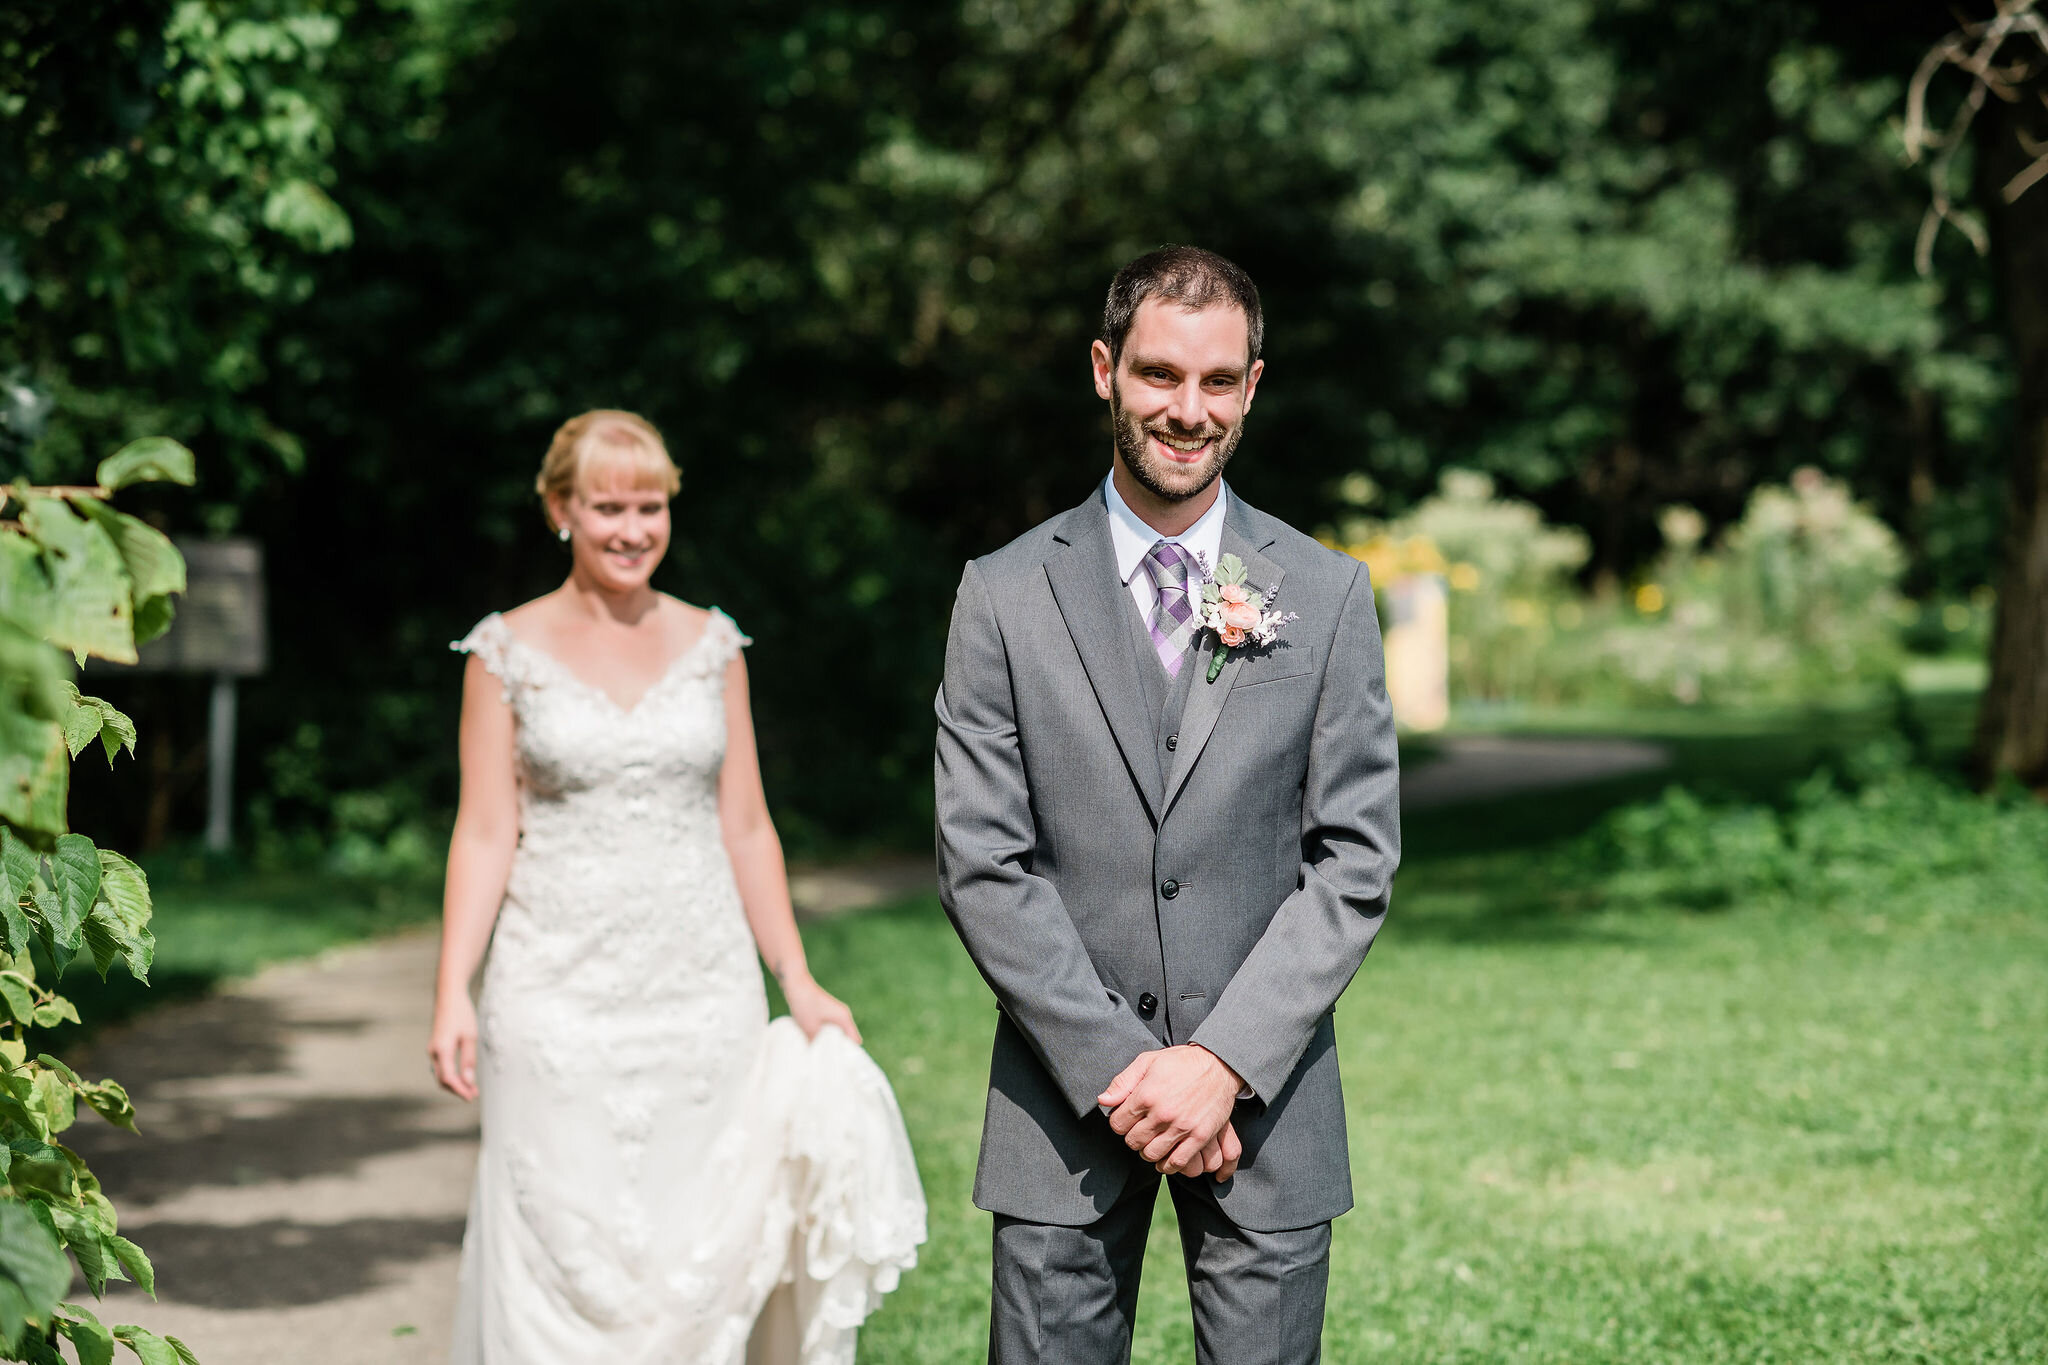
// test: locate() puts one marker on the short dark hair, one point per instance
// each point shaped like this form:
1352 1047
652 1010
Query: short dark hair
1188 276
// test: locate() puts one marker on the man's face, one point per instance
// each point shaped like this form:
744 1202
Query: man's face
1178 395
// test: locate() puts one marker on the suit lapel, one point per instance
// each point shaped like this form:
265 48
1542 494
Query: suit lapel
1094 605
1243 537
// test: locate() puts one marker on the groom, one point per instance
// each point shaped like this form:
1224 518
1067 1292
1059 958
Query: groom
1167 866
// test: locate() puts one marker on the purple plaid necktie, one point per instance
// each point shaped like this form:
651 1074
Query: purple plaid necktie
1173 620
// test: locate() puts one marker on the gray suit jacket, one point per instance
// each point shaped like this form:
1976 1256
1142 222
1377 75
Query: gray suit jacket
1064 813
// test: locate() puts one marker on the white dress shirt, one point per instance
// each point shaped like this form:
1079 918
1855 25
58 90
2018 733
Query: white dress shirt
1133 540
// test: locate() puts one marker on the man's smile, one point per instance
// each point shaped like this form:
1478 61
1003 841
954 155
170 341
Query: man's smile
1182 449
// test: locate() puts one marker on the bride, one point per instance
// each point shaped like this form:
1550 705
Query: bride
666 1177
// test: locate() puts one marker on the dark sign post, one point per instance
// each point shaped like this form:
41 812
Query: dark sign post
220 630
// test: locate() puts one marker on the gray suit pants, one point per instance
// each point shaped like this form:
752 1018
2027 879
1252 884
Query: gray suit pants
1069 1296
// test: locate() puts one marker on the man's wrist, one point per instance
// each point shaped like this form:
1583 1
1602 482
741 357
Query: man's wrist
1244 1090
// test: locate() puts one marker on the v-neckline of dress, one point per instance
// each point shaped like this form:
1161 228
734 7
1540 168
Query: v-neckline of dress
661 680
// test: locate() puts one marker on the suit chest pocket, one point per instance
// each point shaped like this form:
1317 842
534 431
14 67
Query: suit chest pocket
1286 664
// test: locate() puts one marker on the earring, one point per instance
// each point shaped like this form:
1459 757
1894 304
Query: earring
563 535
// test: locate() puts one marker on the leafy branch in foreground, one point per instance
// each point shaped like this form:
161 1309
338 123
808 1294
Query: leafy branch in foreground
77 579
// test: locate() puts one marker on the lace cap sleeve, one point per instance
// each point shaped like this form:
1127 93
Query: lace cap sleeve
491 642
723 640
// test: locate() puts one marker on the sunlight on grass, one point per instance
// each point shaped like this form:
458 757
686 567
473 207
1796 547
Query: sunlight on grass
1592 1137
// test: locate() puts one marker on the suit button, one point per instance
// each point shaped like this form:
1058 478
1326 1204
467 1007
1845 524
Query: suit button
1169 888
1147 1004
1172 742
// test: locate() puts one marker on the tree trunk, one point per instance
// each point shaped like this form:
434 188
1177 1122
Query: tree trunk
2012 727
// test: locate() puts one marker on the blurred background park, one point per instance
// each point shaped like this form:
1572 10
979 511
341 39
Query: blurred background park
1686 393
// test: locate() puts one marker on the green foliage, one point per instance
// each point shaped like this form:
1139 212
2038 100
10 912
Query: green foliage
164 167
1615 255
69 585
1797 603
1881 831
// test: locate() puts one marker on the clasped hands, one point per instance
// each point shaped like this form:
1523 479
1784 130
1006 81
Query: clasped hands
1172 1106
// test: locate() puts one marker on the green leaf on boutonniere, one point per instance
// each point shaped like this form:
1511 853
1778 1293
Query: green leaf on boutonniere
1211 593
1216 662
1229 569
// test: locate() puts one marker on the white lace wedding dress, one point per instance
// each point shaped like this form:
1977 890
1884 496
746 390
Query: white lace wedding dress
662 1168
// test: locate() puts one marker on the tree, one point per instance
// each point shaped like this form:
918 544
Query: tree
2002 116
163 180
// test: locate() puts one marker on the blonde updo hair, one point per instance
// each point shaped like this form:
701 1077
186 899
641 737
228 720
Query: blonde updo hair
602 441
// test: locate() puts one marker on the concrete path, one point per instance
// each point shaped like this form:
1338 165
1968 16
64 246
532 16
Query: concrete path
301 1182
1484 767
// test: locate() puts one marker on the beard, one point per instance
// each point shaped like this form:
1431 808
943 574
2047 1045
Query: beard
1164 479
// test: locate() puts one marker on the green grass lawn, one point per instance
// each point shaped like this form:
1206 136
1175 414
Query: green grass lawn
1778 1132
1756 1135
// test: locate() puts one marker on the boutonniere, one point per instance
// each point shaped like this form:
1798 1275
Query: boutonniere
1239 615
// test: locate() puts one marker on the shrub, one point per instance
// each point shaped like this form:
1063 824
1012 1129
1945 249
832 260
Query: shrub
1799 602
77 578
1509 574
1877 828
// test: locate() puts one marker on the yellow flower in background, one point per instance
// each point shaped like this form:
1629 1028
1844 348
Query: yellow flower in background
1649 599
1465 577
1391 558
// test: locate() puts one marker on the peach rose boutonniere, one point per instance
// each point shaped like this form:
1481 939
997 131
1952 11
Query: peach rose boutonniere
1239 614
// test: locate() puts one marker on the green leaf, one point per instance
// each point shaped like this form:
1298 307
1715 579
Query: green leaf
154 565
153 617
36 1350
60 1068
125 889
119 925
84 1239
1229 569
185 1356
56 1010
153 1349
93 1343
35 766
54 1097
35 772
16 1089
153 459
109 941
110 1101
26 598
18 996
21 866
76 866
20 869
134 1263
117 732
91 612
82 723
94 718
46 914
35 1274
